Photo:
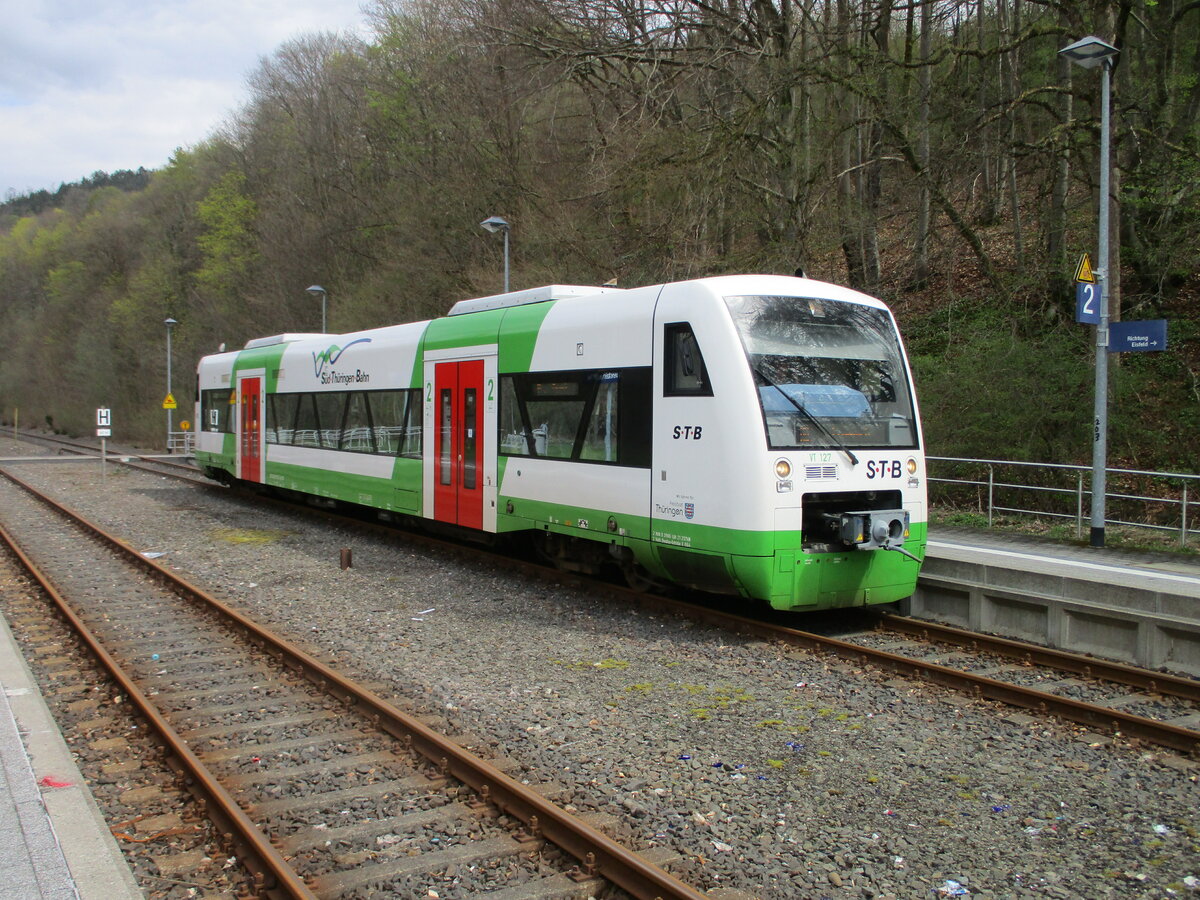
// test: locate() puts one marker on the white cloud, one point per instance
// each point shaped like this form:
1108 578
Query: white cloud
118 84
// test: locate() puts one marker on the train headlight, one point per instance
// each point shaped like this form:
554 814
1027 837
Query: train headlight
911 465
783 469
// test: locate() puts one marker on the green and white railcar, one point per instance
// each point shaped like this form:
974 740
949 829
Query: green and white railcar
755 435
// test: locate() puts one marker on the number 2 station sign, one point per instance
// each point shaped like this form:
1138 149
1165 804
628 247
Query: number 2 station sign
1088 293
1147 336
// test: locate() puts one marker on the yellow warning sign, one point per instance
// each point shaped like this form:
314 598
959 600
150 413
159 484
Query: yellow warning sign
1083 271
185 425
169 402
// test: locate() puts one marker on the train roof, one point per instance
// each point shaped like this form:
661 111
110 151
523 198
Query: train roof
782 285
531 295
786 286
282 339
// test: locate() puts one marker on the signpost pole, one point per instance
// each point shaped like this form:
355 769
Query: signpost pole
1090 53
169 403
103 431
1100 435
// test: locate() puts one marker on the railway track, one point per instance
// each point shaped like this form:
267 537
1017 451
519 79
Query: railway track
162 830
325 788
1112 699
154 464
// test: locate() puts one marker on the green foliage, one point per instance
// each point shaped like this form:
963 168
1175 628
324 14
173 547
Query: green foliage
648 154
1163 198
990 387
227 243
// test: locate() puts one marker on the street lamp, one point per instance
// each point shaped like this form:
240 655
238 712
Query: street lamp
170 323
1090 53
315 289
494 224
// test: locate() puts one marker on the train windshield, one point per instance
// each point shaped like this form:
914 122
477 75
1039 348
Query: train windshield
829 373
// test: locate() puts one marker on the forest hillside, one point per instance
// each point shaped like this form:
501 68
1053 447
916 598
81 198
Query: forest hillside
940 155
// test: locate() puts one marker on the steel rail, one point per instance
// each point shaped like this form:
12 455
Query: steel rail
87 451
1116 720
271 871
1088 666
1099 717
598 854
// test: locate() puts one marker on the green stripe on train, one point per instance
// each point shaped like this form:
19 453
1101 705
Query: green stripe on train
520 326
765 564
758 563
268 358
400 493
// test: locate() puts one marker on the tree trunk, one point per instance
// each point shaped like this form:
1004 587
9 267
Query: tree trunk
1056 218
925 76
1012 90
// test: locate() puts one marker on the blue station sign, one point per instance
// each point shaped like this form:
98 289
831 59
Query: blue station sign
1087 302
1088 294
1145 336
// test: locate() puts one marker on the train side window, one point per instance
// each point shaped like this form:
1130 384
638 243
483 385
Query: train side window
387 416
593 416
414 429
601 440
214 411
307 433
684 372
395 422
331 409
357 434
268 421
637 388
555 404
281 417
516 435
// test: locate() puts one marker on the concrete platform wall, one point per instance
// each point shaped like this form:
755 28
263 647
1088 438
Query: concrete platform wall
1146 619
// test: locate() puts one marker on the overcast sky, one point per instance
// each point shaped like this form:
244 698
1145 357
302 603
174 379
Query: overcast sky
89 85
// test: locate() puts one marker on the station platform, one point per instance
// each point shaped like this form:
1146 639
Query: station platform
1132 606
1181 569
57 845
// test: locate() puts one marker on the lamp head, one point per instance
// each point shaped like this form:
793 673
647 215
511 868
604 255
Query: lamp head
494 224
1089 52
315 289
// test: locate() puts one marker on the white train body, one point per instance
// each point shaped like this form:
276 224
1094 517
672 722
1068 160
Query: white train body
754 434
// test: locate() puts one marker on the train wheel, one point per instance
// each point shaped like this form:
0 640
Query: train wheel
637 578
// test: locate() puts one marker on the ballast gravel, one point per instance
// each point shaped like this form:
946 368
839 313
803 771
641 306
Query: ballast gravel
767 769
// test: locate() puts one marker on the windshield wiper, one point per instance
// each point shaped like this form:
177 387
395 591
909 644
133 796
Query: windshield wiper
824 429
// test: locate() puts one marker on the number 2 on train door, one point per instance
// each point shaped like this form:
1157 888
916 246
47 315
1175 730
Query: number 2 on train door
458 485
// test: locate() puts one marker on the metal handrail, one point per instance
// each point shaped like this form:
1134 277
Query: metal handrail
1173 494
182 442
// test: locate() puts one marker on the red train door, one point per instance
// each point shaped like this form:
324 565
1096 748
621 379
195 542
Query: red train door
458 451
251 407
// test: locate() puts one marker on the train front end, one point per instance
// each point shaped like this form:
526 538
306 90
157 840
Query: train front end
825 504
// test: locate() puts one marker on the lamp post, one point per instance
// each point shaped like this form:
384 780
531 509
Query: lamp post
170 323
314 290
494 224
1090 53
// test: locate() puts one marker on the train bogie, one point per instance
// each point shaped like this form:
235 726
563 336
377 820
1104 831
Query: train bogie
751 435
